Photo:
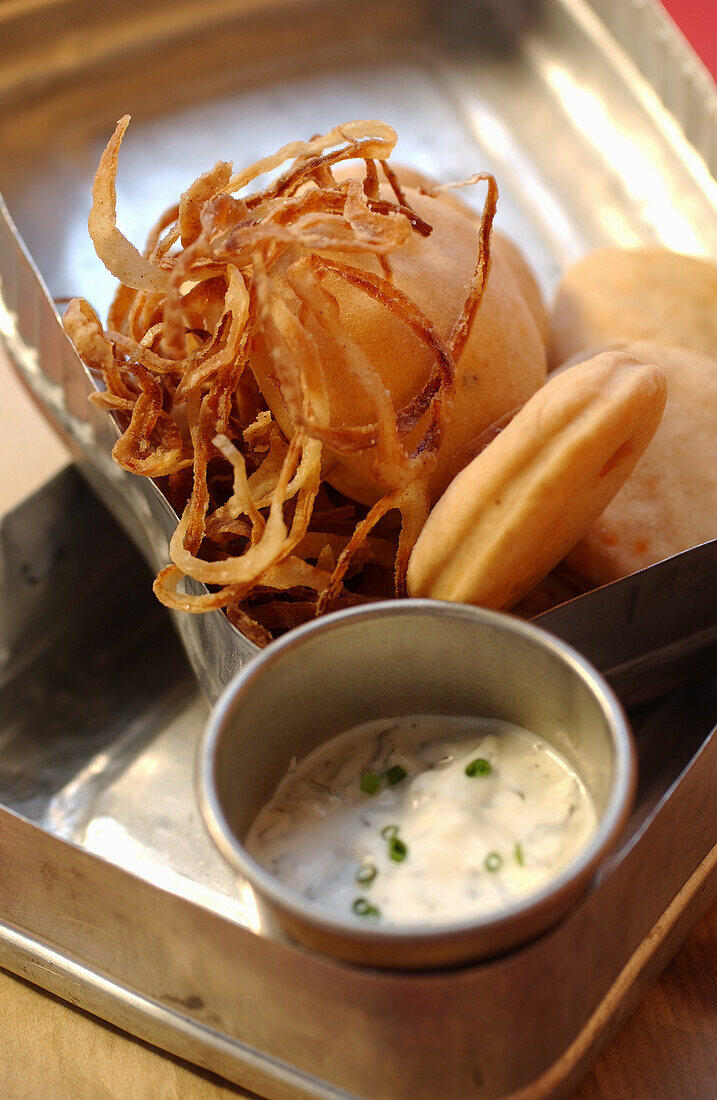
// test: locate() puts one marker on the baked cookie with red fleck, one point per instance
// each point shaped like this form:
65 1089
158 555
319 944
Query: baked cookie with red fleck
669 501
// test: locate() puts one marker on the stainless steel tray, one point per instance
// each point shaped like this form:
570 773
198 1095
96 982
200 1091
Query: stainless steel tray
113 897
111 894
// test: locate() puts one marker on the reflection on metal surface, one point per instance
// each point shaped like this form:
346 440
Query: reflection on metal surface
651 631
135 806
645 184
108 838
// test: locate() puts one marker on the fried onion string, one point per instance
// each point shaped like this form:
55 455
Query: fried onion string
223 277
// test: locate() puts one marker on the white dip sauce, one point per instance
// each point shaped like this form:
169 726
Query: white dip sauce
436 844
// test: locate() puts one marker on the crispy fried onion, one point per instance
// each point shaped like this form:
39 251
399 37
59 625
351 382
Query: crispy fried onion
268 540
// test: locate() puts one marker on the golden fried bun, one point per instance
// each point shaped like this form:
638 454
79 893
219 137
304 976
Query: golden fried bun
635 294
500 245
525 279
669 501
502 364
516 510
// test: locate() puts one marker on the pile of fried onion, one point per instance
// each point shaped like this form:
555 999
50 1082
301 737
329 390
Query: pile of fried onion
273 543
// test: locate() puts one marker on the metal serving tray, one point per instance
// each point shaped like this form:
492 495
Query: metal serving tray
112 895
114 898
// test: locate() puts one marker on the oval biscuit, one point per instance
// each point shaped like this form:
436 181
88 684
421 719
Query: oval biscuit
515 511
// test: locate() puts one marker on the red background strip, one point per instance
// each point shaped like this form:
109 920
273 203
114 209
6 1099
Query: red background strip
697 19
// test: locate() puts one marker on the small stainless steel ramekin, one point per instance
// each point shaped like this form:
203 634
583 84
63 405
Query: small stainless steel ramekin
399 658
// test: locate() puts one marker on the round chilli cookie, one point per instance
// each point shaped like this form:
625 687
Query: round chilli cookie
635 294
669 501
514 512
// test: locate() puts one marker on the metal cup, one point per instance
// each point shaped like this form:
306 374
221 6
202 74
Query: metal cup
400 658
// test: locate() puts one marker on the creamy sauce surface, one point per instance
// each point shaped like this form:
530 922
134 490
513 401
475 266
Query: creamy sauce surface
432 843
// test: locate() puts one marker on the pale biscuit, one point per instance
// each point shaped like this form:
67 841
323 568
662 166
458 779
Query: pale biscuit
511 515
635 294
669 502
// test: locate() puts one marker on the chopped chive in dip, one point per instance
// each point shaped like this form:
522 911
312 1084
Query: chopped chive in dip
397 850
395 774
480 766
366 873
370 782
336 844
364 908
